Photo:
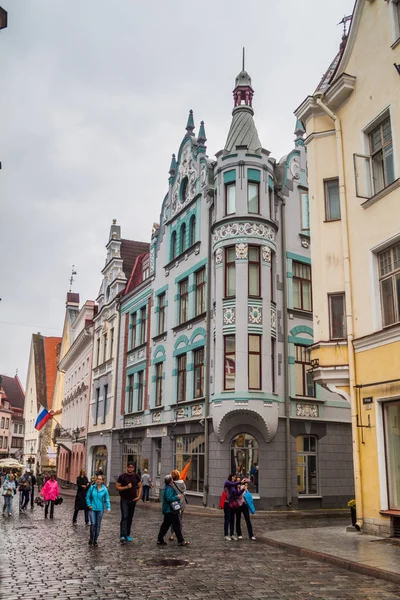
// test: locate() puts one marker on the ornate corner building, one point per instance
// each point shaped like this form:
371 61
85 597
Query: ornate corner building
216 325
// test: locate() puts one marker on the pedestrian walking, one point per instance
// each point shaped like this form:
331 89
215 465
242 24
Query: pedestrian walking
97 498
82 485
24 486
129 487
50 492
180 487
40 481
170 509
146 485
33 483
8 491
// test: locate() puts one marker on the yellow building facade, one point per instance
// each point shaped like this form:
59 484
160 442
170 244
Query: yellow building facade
352 124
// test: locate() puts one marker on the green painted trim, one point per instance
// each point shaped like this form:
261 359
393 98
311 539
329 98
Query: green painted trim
196 332
270 182
230 176
302 329
136 368
240 396
180 351
229 156
153 379
190 367
254 155
289 275
291 360
338 404
136 303
161 290
181 338
196 345
254 175
174 372
299 258
195 268
299 341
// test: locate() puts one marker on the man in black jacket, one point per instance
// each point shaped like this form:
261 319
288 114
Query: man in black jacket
33 483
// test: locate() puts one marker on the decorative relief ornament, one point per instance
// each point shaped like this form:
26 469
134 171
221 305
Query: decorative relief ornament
255 315
229 315
156 417
180 414
141 354
266 254
295 169
218 256
197 411
203 175
273 318
152 253
186 170
307 410
241 251
229 230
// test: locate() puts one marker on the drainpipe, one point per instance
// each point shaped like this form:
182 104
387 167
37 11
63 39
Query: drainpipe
116 342
349 307
208 354
286 379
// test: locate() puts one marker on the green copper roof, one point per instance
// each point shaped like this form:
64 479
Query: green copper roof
201 138
190 123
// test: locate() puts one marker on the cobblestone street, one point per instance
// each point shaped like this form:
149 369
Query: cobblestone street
46 559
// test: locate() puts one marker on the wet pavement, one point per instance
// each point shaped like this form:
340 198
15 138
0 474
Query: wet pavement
48 560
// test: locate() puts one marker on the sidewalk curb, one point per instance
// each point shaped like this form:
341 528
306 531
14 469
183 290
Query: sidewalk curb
344 563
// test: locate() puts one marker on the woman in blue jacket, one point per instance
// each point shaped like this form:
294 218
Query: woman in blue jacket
97 498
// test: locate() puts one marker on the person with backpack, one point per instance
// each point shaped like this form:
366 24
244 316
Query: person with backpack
97 498
146 485
180 487
171 508
243 508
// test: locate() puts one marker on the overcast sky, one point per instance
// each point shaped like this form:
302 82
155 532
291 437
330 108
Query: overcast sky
95 97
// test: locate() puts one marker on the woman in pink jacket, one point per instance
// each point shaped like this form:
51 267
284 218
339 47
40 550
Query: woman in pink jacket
50 493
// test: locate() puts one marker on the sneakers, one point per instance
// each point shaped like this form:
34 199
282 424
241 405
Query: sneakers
184 544
122 539
90 542
234 537
240 537
228 538
128 538
253 538
162 543
95 544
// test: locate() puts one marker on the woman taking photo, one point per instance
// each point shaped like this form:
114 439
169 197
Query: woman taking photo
82 484
50 492
97 498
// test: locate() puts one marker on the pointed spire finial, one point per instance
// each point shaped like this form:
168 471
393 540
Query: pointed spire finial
243 59
190 123
299 132
172 167
201 138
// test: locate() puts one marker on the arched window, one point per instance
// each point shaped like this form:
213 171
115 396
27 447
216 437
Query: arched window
192 231
244 459
173 245
183 238
184 190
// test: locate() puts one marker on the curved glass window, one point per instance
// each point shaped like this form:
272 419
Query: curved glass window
244 459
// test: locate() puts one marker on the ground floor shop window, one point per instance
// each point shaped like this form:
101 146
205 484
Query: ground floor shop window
132 452
392 439
100 458
244 459
190 448
307 475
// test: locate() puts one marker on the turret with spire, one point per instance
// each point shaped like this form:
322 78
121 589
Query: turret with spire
243 131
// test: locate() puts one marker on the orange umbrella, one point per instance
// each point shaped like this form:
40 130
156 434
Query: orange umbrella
185 470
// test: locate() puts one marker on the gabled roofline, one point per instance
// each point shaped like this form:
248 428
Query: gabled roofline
351 37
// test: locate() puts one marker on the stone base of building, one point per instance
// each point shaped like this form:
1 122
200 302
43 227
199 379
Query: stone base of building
379 526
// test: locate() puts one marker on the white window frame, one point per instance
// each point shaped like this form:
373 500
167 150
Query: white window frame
376 305
363 161
395 20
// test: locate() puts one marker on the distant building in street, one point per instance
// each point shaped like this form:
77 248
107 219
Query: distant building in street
40 382
121 256
12 399
75 367
221 378
352 124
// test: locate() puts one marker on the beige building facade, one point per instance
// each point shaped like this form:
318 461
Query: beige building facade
352 126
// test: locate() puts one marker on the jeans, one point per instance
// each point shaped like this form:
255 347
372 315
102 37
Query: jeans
95 517
127 512
170 519
245 510
75 516
24 499
229 519
46 508
7 507
180 516
145 493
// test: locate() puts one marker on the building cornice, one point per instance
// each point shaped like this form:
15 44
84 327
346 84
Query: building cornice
82 342
377 339
334 98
